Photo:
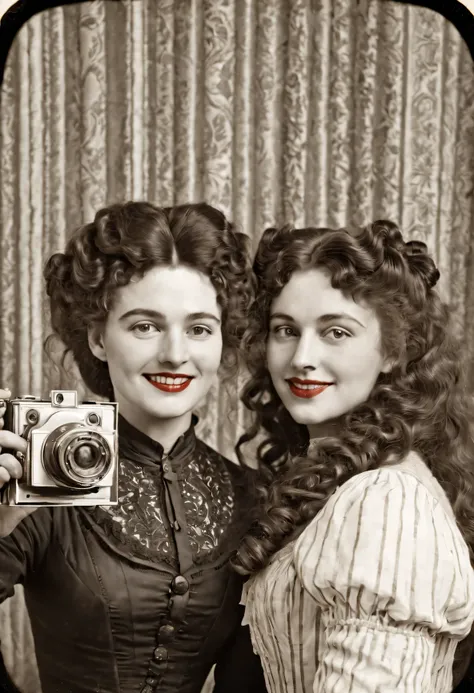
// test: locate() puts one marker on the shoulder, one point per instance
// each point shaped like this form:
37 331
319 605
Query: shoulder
362 515
385 536
375 508
402 493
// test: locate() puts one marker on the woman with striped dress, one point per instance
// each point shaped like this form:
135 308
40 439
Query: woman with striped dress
360 563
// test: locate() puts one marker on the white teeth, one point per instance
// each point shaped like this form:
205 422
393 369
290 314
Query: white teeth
167 381
300 386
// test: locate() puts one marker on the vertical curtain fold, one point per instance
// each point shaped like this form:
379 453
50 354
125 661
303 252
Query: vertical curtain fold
8 199
447 147
317 179
295 113
365 102
162 114
23 248
387 141
341 111
267 90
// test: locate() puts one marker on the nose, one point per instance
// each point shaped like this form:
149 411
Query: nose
174 349
307 354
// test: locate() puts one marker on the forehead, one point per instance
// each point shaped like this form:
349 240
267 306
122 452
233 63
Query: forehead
309 295
173 291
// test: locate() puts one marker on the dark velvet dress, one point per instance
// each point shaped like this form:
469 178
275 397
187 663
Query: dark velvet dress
140 597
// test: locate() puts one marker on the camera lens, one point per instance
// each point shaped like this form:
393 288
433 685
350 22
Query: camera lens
86 456
59 398
77 457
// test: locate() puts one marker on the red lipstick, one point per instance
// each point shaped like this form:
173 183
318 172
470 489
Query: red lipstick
312 389
180 381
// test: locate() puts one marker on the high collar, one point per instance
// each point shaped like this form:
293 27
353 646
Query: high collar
137 446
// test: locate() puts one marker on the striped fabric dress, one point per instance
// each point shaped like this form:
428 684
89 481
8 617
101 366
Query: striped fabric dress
372 597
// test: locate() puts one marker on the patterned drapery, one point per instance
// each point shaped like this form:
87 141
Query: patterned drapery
321 112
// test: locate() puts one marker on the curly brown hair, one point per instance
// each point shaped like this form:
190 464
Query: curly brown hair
125 241
420 405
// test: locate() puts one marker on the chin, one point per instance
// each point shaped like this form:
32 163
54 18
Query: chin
307 418
310 420
171 412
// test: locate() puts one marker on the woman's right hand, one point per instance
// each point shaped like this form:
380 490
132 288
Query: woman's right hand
10 468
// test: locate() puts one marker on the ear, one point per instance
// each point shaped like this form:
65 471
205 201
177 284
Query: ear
96 342
387 365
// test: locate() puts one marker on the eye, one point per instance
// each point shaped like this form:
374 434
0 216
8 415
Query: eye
337 334
284 332
200 331
144 328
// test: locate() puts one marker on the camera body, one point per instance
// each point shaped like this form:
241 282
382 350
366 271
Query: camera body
72 453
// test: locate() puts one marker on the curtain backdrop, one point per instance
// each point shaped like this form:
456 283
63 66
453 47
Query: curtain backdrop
318 112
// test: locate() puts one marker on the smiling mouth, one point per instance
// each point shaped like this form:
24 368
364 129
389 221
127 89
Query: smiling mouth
169 382
306 389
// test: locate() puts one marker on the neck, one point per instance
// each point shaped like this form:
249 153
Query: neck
325 429
163 431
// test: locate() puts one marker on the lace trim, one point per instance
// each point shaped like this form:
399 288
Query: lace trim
212 502
208 498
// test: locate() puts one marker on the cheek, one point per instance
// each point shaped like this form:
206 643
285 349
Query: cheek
362 365
116 357
278 357
208 356
131 357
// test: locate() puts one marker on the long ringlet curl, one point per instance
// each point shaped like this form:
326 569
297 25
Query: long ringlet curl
420 405
125 241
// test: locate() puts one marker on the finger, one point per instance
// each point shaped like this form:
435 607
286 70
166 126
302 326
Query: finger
11 440
12 465
4 476
5 393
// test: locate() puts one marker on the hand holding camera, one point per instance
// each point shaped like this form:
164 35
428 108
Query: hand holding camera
68 451
10 468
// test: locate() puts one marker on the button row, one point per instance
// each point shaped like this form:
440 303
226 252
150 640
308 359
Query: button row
179 586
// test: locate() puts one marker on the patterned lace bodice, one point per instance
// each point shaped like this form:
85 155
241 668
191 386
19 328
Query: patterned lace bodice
143 519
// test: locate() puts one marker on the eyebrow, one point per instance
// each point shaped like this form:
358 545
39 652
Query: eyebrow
329 317
156 315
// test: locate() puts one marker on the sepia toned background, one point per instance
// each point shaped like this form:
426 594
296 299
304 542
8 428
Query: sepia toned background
317 112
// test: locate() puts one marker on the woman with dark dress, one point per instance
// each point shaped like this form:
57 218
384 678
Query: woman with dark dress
139 597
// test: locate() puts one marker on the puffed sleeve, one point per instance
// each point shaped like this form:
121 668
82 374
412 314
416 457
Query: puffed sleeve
391 573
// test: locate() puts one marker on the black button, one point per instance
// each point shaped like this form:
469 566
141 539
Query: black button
152 680
179 585
166 633
160 654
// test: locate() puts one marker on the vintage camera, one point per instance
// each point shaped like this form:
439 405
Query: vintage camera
72 454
